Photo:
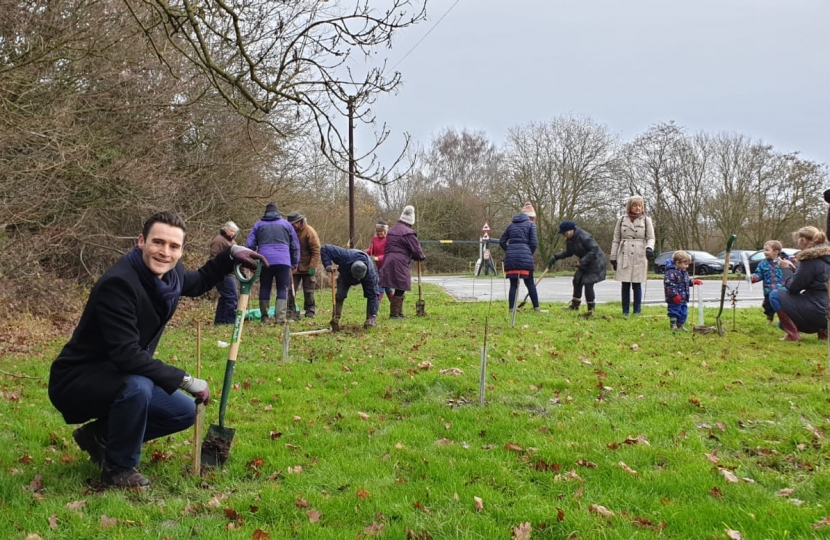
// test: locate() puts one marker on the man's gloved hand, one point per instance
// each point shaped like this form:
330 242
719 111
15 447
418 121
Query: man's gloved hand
697 282
649 254
331 269
197 388
676 299
614 265
551 262
247 257
312 271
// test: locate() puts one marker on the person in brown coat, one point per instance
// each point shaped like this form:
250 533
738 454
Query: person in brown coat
228 296
307 269
402 246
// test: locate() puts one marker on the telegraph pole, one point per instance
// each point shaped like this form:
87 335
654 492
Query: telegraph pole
351 171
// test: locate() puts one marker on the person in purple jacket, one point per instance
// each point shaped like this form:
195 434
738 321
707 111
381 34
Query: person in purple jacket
277 241
402 246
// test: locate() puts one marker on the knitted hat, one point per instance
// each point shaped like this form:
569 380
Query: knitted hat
294 217
381 225
827 195
528 210
271 207
408 215
359 269
566 226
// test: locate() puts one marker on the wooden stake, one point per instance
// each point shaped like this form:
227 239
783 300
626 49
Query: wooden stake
200 409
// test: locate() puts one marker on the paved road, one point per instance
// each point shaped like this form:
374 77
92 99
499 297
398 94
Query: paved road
559 289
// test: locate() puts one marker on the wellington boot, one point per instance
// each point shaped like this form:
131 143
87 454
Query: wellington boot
574 305
280 310
309 304
396 309
788 326
264 305
590 313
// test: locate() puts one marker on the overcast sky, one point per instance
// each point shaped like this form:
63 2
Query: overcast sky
760 68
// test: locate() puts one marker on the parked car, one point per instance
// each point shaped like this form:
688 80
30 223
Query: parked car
758 256
703 263
735 258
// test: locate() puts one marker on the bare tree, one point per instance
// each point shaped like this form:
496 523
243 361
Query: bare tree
565 168
285 62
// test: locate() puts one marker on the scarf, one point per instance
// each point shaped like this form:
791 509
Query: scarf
633 217
165 291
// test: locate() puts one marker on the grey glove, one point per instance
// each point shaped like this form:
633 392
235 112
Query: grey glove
649 254
197 388
247 257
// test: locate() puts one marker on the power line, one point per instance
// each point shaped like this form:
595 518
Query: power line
425 35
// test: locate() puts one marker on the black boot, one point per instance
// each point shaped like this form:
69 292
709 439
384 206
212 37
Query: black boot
309 304
574 305
590 312
126 477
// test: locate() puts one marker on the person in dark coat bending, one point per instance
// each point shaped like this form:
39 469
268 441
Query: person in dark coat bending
402 246
802 306
355 268
107 372
590 268
228 297
519 242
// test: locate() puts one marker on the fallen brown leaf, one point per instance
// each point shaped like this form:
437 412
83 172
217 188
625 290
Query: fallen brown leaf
362 494
522 532
627 469
374 529
53 522
825 522
729 475
108 522
314 515
601 510
259 534
479 503
734 535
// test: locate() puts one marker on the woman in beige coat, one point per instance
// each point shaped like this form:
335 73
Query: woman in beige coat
633 247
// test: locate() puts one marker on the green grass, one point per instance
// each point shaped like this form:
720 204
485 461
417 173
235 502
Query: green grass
566 400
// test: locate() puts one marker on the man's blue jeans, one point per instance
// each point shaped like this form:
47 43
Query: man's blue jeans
143 412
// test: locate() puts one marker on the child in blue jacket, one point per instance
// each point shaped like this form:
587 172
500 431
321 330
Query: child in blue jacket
770 273
676 282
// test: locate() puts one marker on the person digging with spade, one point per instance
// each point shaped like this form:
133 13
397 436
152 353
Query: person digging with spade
590 268
355 268
106 372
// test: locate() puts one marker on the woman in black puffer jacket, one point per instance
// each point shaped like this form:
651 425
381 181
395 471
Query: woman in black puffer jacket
519 242
802 307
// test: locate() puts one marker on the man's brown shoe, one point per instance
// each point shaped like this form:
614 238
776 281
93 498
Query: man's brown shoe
113 475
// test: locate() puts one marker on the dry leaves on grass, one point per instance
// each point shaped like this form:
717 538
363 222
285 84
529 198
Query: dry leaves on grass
729 475
53 522
259 534
455 372
825 522
627 469
734 535
479 502
786 492
375 529
601 510
522 532
314 515
108 522
363 415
